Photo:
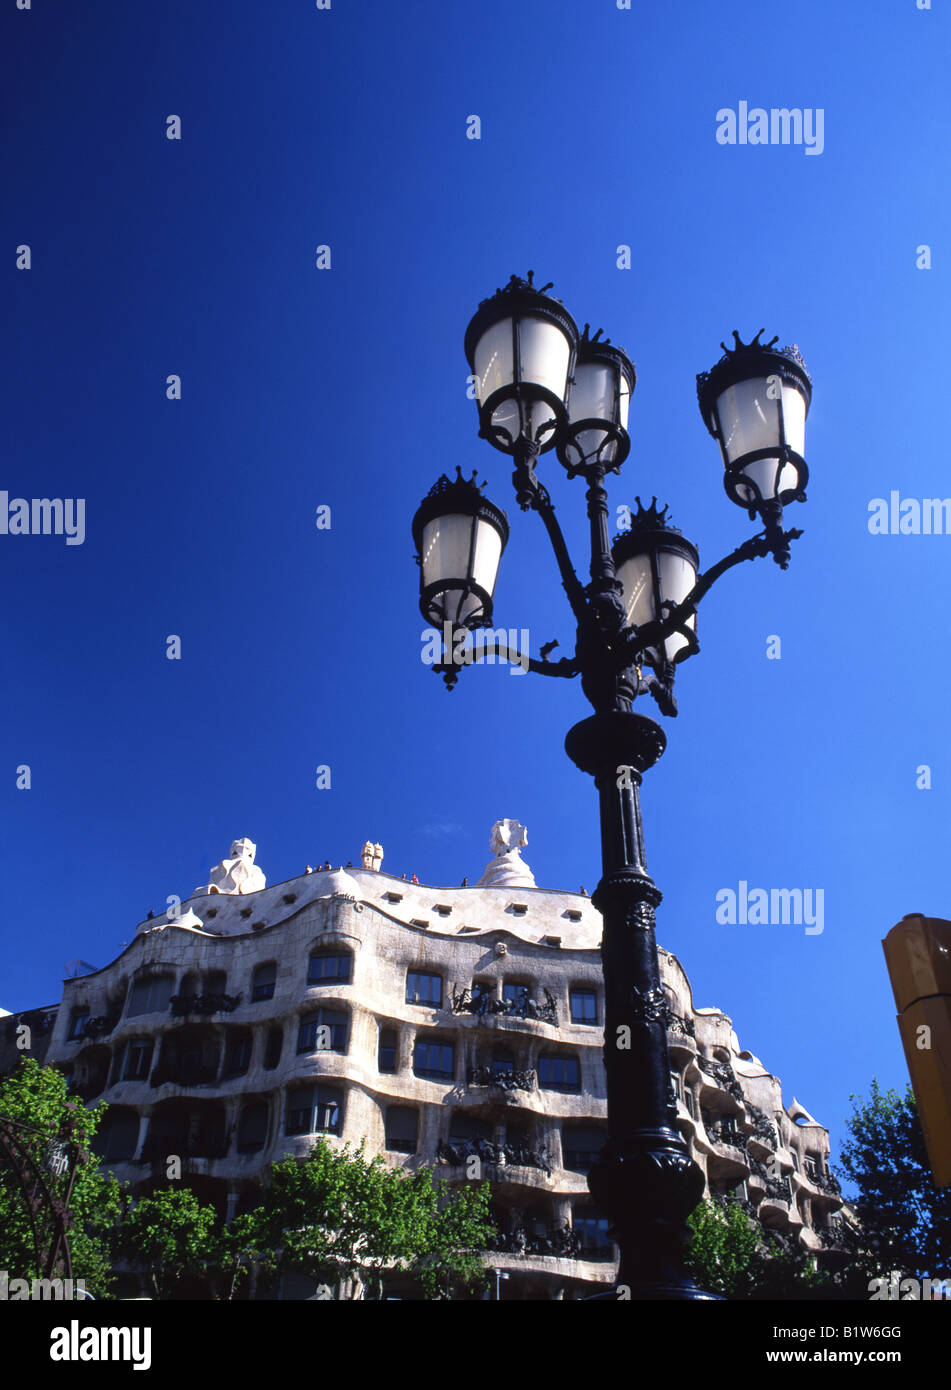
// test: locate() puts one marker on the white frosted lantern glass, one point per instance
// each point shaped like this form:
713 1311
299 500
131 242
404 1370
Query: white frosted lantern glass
624 401
445 553
592 393
488 553
748 418
637 590
592 398
493 359
544 352
794 418
677 578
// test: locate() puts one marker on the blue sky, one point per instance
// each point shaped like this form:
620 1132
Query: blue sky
347 387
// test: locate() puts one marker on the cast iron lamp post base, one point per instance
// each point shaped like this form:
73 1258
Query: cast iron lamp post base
644 1179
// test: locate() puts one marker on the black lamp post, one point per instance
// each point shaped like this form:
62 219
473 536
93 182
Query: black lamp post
541 387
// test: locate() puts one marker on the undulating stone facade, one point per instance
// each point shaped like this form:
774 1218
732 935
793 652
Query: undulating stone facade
460 1027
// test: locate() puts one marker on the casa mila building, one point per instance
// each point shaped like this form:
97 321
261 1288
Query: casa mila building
441 1026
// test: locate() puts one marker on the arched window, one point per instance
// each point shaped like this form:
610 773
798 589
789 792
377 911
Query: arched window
263 981
329 967
150 995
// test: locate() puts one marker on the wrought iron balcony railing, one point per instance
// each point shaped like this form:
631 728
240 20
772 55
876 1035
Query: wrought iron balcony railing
181 1004
681 1027
722 1074
481 1003
97 1027
457 1151
562 1242
182 1072
503 1078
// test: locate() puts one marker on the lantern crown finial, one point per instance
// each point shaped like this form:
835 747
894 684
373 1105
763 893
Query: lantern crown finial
444 483
652 518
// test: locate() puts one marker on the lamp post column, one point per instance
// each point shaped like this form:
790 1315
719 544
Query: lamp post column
644 1179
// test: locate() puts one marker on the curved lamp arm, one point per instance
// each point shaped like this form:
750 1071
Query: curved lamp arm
638 640
449 670
530 493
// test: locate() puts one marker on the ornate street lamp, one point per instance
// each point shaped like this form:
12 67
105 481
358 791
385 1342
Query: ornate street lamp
539 387
459 537
754 402
521 348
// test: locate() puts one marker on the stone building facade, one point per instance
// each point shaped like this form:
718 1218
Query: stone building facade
458 1027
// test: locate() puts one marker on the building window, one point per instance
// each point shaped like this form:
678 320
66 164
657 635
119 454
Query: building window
584 1006
118 1138
323 1031
137 1059
252 1129
434 1059
77 1024
677 1085
238 1055
559 1073
581 1145
402 1129
314 1109
515 992
503 1063
275 1045
386 1052
423 989
468 1129
592 1228
329 968
263 982
150 995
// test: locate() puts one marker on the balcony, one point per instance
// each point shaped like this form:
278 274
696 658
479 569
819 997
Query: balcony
483 1005
560 1242
97 1027
503 1078
721 1075
457 1151
184 1004
184 1072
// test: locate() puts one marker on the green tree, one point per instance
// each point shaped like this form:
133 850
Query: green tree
172 1235
337 1215
722 1249
730 1255
905 1220
38 1097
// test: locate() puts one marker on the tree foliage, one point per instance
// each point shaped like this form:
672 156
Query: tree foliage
38 1097
905 1220
336 1215
172 1235
730 1255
